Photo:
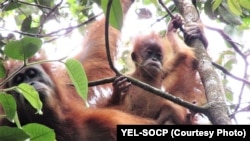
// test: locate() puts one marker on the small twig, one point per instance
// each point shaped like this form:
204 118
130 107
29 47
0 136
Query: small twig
166 9
158 20
227 38
24 66
101 81
12 75
247 108
36 5
170 14
242 87
48 15
68 29
230 74
98 82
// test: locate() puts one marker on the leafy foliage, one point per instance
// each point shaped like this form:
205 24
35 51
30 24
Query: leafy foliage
116 16
33 132
23 49
38 132
12 134
235 6
2 70
9 105
31 95
78 76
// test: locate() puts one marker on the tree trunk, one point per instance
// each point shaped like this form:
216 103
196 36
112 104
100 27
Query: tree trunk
217 109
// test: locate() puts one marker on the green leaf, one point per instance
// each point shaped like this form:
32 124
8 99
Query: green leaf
246 23
234 7
216 4
31 95
229 64
227 16
116 16
26 24
48 3
9 105
229 95
78 77
16 120
23 49
208 10
2 70
33 30
12 134
11 6
245 4
147 2
39 132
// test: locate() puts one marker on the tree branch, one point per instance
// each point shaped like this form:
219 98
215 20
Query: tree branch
244 57
230 74
166 9
168 96
217 113
36 5
101 81
55 33
158 20
227 38
43 20
107 38
155 91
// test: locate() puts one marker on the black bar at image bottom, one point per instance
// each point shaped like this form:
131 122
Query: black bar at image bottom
180 132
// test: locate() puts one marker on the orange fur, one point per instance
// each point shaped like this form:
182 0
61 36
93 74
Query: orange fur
178 76
143 103
182 76
65 111
94 59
